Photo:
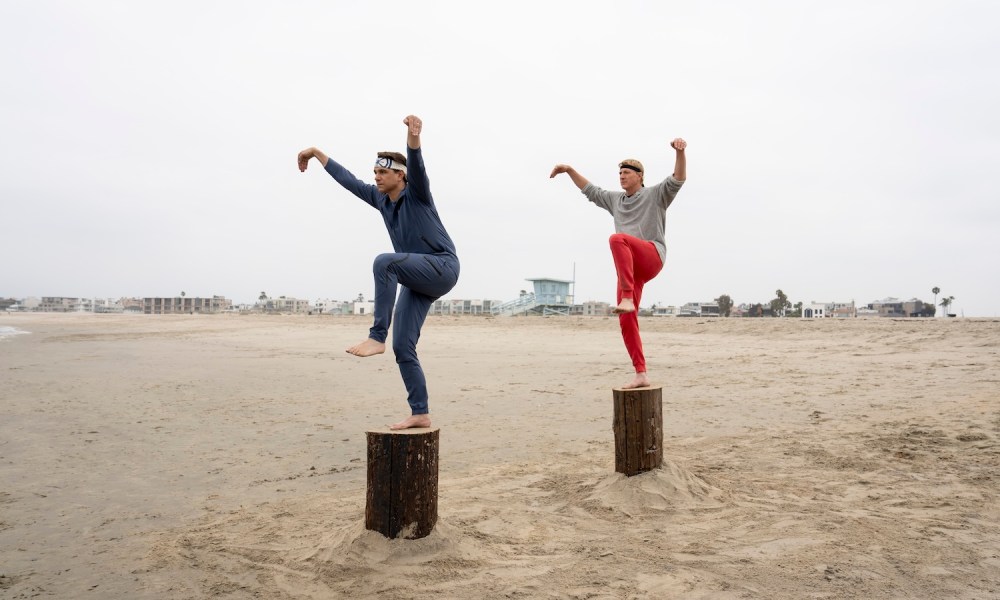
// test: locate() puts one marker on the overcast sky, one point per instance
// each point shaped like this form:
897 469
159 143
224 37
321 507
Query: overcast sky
838 151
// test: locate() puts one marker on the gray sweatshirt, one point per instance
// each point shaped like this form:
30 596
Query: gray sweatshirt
642 215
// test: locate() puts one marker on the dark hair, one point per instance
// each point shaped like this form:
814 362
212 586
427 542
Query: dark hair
396 157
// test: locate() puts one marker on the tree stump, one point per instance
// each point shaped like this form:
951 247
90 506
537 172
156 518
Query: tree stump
638 425
402 482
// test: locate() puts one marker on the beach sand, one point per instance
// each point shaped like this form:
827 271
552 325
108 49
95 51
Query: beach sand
224 457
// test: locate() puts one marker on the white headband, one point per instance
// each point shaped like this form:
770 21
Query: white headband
388 163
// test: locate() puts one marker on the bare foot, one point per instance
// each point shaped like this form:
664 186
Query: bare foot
625 306
413 421
369 347
640 380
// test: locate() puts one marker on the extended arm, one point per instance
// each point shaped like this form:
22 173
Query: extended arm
680 162
368 193
413 127
416 174
580 181
308 153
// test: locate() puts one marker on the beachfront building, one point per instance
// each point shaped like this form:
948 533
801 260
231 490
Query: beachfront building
182 305
68 304
326 306
815 310
57 304
362 306
699 309
286 305
829 310
888 307
915 307
896 308
752 310
458 306
117 306
593 308
130 306
662 310
843 310
689 309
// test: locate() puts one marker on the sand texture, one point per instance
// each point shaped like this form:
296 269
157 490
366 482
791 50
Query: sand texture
224 457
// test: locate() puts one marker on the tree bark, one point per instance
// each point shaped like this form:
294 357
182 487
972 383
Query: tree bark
401 500
638 425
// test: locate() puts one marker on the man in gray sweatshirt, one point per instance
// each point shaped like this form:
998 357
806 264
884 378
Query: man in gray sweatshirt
638 245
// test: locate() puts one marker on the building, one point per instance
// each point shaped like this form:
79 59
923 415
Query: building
829 310
660 310
286 305
362 307
57 304
183 305
592 308
918 308
814 310
699 309
894 307
326 306
457 306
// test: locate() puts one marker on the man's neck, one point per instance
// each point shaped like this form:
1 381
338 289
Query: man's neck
395 194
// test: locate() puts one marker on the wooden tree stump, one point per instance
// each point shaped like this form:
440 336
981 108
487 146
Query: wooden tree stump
638 425
402 482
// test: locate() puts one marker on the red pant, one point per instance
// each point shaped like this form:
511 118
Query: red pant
637 262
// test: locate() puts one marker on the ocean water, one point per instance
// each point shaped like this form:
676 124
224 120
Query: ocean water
6 332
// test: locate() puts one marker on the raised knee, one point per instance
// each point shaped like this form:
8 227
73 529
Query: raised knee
384 261
616 238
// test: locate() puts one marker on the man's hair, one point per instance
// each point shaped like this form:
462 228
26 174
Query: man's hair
396 157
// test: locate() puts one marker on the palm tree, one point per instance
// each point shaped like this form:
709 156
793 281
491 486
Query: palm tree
946 303
935 290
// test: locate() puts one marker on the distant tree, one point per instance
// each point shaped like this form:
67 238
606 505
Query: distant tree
796 310
779 304
946 303
725 305
183 294
935 290
263 296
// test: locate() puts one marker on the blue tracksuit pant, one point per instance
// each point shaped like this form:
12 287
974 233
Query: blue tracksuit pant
424 278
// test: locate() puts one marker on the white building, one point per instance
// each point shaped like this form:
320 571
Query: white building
829 310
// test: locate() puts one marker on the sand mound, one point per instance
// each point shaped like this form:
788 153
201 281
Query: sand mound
670 487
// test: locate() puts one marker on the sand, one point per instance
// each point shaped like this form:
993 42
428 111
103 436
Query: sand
224 457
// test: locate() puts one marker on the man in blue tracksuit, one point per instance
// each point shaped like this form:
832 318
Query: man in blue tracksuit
424 263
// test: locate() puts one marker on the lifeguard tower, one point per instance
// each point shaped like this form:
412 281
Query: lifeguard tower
550 297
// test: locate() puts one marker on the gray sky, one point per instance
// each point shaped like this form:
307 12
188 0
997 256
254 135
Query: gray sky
837 151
